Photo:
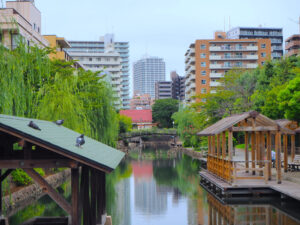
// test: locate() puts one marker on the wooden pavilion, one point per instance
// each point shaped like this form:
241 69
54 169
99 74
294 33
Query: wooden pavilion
53 146
260 132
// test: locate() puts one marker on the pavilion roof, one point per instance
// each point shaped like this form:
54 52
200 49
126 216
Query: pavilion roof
62 141
262 122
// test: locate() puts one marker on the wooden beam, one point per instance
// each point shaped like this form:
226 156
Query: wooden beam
223 145
293 147
7 172
218 145
269 154
49 190
285 153
37 163
75 196
209 144
253 151
0 193
246 152
230 147
257 129
278 157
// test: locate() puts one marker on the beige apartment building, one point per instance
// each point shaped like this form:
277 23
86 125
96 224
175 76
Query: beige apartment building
292 45
21 18
206 61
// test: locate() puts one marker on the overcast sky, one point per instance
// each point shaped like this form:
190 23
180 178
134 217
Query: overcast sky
162 28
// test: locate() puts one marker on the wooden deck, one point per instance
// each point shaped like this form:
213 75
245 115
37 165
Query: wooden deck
248 187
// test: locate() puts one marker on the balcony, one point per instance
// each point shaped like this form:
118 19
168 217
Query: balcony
234 57
232 48
216 75
292 44
191 69
190 79
214 84
222 66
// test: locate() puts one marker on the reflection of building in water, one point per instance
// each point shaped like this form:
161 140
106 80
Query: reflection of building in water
202 210
192 211
149 198
123 202
246 214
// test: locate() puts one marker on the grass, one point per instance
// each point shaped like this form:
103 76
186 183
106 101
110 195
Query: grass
242 146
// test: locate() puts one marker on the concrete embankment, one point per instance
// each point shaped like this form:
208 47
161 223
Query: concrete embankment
28 195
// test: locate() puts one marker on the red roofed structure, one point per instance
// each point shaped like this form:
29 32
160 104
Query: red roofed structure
141 119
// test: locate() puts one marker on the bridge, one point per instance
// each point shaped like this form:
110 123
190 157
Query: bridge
148 132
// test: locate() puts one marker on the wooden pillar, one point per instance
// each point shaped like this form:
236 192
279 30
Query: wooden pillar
209 214
261 150
269 154
218 145
230 144
209 144
293 147
285 156
75 196
213 145
253 151
0 194
257 147
246 152
278 157
223 145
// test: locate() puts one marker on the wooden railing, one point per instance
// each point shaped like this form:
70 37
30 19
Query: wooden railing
232 171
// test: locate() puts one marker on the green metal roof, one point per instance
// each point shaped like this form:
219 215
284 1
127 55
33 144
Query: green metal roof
64 140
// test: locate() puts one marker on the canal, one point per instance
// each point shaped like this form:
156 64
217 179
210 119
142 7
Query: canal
162 187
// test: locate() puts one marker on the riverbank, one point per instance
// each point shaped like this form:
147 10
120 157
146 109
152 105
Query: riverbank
20 199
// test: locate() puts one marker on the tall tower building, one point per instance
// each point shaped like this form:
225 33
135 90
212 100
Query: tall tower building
146 72
208 60
120 48
274 34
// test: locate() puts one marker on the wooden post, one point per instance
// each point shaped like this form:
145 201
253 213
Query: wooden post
213 145
257 142
261 150
75 196
0 194
223 145
230 144
269 156
293 147
253 151
246 152
209 144
218 145
278 157
285 156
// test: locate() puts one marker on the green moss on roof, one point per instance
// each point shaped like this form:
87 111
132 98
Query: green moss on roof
64 139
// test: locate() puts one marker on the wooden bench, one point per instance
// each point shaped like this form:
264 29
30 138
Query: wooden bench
295 165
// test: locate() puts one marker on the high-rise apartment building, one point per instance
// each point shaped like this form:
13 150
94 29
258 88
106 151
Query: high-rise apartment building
146 72
292 45
122 48
163 89
108 62
178 86
274 34
21 19
208 60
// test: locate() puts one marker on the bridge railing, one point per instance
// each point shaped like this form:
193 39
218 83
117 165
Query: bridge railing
136 133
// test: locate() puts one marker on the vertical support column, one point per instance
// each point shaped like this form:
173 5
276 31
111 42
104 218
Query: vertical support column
269 156
230 144
0 194
257 142
213 145
261 150
278 157
218 145
253 151
223 145
246 152
75 196
209 214
293 147
209 144
285 156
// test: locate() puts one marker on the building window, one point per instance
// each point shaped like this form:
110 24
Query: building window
263 45
238 64
263 63
203 90
203 81
203 46
227 55
263 54
203 64
90 59
203 72
227 64
203 99
203 55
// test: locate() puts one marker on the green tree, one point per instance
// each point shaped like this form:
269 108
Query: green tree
125 124
162 111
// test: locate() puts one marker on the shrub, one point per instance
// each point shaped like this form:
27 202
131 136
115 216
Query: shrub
20 178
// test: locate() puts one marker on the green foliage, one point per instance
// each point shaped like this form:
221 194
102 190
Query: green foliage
125 124
162 111
21 178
